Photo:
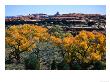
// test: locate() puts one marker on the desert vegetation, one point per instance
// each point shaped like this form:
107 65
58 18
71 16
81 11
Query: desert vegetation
32 47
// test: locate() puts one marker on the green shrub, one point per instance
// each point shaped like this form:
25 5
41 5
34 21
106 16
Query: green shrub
31 62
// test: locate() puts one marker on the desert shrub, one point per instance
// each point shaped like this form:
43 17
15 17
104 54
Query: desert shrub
63 65
47 53
13 66
31 62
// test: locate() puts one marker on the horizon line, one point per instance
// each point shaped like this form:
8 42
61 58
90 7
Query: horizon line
52 14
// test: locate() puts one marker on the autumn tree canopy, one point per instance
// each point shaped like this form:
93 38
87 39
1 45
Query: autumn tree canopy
22 38
84 47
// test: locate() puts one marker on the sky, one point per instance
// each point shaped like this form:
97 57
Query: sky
15 10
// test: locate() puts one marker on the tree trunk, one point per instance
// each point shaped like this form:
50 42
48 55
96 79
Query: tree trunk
17 56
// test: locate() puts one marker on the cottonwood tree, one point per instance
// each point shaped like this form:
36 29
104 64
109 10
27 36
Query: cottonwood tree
23 38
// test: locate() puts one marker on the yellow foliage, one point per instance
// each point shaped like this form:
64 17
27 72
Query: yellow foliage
68 41
55 40
25 36
101 38
95 57
84 44
82 36
90 35
88 42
